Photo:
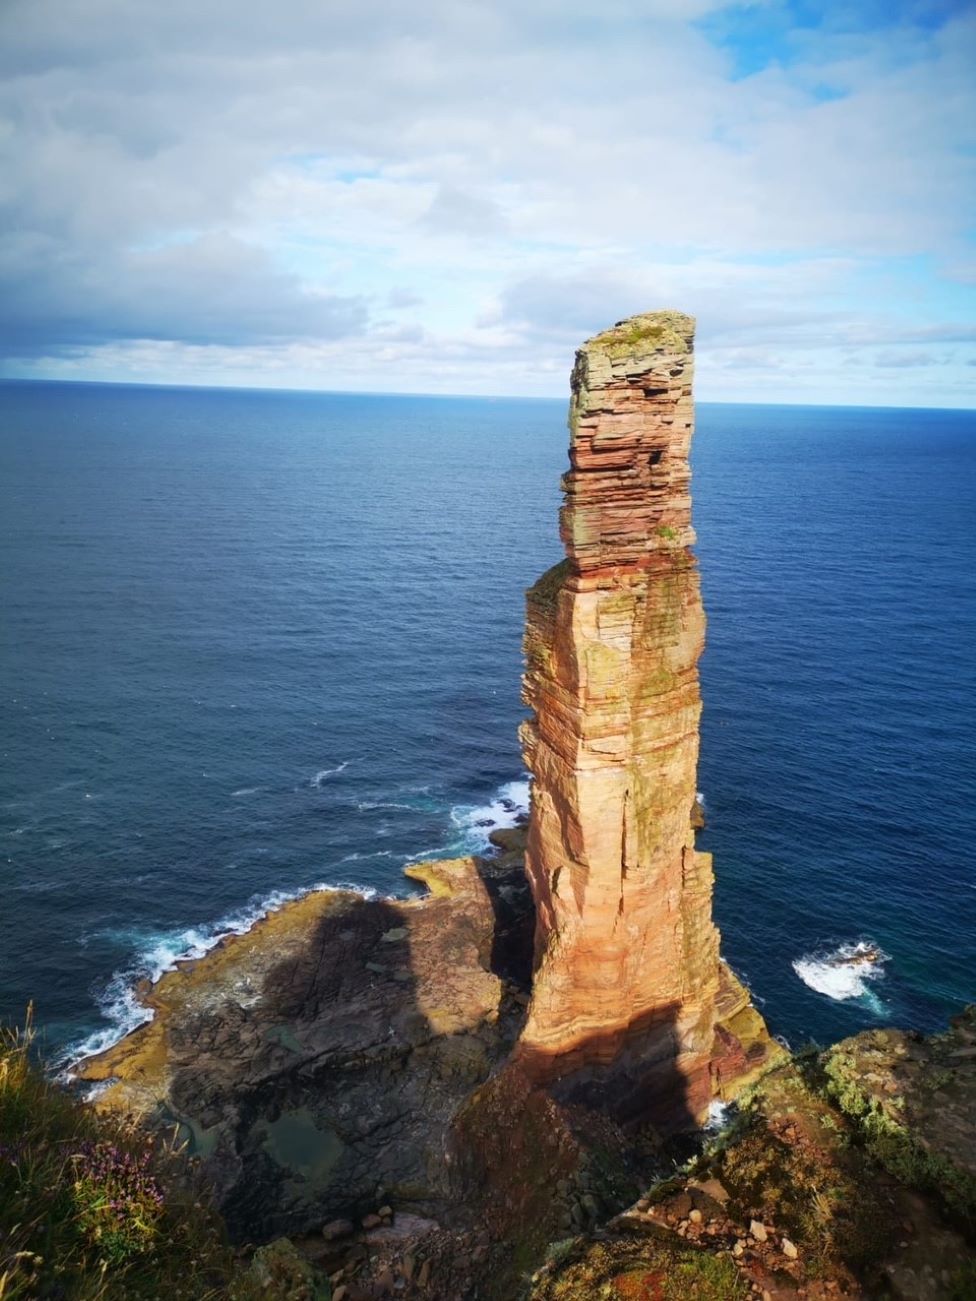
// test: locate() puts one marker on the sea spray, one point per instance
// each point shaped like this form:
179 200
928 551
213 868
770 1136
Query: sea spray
119 1002
508 808
845 972
156 953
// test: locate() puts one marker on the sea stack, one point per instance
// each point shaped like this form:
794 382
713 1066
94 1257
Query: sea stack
628 984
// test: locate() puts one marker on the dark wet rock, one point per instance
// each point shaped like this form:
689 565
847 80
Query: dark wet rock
280 1272
337 1229
511 840
308 1070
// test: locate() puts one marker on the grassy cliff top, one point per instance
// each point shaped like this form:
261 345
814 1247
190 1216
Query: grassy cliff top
665 331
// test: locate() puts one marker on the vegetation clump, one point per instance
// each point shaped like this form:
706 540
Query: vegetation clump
545 591
94 1209
118 1198
646 1266
651 332
912 1105
791 1164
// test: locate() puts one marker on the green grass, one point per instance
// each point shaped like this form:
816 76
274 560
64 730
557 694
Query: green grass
894 1144
93 1208
646 1268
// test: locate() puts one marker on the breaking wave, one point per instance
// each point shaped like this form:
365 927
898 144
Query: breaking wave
719 1116
508 808
324 774
845 972
119 1001
159 952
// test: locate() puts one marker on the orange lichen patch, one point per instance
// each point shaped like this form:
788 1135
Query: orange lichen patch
461 993
640 1285
641 1264
444 878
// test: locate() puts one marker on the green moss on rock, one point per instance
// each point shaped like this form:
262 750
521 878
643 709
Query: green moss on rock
650 332
645 1265
544 592
913 1101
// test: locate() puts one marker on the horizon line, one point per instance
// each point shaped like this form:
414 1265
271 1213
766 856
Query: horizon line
474 397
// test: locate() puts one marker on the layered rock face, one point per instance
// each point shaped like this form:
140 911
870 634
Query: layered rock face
627 965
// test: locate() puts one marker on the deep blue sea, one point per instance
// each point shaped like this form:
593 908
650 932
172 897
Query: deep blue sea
255 641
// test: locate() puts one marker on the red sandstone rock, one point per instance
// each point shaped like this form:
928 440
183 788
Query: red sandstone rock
627 967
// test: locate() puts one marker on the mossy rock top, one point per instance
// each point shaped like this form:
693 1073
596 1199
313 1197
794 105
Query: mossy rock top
666 332
545 591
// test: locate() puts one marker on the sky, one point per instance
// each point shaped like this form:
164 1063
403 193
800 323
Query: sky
446 196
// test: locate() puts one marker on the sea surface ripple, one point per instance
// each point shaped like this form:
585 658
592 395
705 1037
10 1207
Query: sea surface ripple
254 642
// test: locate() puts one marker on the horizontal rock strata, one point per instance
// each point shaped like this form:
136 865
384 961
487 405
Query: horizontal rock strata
627 978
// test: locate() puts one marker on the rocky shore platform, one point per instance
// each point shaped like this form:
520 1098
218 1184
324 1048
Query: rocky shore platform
343 1074
315 1063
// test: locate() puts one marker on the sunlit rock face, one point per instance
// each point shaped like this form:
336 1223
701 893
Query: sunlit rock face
627 966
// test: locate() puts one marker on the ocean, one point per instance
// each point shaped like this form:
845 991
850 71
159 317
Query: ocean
254 641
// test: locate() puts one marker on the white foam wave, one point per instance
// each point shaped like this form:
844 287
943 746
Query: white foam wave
719 1116
93 1091
120 1004
509 807
844 972
156 954
325 773
357 857
368 806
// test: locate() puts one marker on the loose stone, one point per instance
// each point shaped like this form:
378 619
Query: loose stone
337 1229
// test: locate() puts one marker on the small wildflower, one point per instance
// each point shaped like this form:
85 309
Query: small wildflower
118 1200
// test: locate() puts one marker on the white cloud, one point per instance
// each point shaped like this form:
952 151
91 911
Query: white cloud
503 176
